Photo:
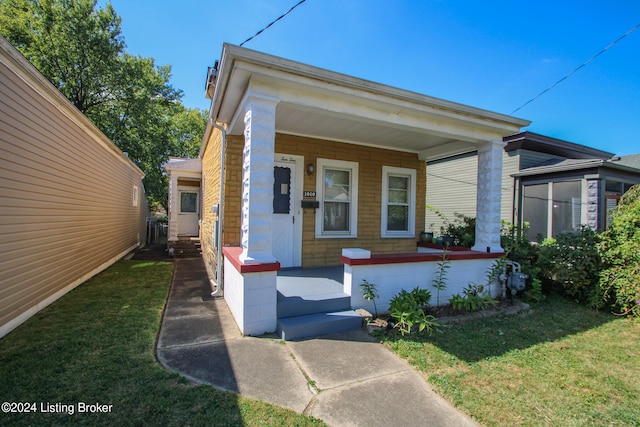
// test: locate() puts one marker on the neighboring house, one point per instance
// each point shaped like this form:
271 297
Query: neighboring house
324 169
71 203
553 185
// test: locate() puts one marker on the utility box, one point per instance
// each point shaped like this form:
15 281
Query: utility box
517 281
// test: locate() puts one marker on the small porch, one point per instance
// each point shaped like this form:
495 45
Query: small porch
317 301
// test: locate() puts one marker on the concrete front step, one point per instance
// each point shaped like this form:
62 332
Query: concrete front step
310 304
312 325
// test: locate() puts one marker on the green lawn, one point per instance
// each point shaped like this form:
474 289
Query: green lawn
559 365
96 345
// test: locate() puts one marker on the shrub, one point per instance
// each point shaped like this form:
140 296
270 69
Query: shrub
407 308
463 230
619 284
572 261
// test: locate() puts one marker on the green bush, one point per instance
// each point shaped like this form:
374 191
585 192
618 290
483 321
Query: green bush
407 308
463 230
619 285
572 261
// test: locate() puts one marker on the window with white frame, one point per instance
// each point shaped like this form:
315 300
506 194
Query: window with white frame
398 217
337 186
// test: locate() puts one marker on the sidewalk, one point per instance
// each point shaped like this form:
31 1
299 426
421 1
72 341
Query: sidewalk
343 379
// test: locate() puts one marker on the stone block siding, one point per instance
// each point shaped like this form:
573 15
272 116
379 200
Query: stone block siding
592 203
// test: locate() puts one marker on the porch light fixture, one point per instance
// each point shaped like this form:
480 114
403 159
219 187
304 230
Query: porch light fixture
310 169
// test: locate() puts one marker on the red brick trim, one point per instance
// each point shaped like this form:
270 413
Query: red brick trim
436 246
454 255
232 253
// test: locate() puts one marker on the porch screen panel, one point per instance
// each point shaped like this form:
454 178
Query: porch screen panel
398 203
566 207
535 209
337 199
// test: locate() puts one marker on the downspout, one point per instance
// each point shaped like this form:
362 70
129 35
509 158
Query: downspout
219 270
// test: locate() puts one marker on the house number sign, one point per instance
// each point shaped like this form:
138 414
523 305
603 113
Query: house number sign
309 194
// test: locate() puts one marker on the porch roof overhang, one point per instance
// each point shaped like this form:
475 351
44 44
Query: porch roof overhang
318 103
184 168
571 165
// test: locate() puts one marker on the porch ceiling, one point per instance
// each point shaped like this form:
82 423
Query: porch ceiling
292 119
322 104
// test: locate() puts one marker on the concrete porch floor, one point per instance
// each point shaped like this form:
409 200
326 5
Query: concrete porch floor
310 283
335 272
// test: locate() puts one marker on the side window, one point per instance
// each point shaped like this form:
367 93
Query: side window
398 202
337 183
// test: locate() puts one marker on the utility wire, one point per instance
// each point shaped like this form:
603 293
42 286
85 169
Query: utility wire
576 69
273 22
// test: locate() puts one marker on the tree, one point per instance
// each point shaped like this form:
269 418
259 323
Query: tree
80 49
74 45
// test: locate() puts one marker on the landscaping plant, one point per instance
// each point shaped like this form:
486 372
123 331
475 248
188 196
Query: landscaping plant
370 293
619 284
474 297
463 230
572 261
407 308
440 281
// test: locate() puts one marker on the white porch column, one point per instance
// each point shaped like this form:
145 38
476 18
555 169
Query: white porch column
489 197
257 179
174 205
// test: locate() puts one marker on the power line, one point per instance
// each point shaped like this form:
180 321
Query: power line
273 22
576 69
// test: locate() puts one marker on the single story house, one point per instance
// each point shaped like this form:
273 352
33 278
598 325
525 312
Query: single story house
305 168
71 203
553 185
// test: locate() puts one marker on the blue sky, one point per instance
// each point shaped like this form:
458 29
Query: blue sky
495 55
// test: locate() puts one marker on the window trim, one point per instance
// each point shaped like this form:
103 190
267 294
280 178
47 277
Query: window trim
389 171
136 196
352 167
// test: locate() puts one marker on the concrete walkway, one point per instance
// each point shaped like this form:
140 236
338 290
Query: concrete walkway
343 379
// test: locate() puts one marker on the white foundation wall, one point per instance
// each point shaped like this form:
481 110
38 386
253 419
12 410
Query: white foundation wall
252 299
390 279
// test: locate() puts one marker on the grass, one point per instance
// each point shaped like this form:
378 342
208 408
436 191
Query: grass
559 365
96 344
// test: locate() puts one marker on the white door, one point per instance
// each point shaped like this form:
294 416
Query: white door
287 221
189 200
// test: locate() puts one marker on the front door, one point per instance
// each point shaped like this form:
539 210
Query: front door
286 222
189 200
